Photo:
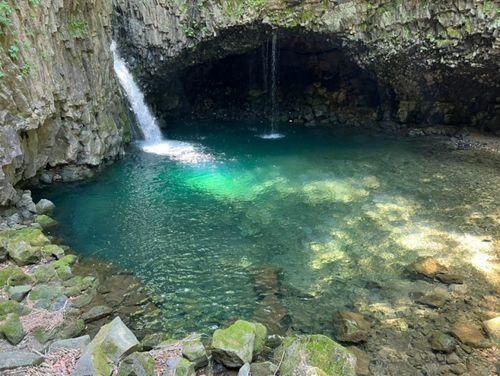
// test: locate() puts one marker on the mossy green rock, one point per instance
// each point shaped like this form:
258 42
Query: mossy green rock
137 364
238 344
45 221
44 273
194 351
13 276
23 253
180 367
113 342
54 250
12 329
314 351
263 369
33 236
11 306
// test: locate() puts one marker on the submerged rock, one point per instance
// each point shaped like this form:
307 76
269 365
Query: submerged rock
442 342
137 364
470 334
314 353
351 326
15 359
362 361
238 344
113 342
428 267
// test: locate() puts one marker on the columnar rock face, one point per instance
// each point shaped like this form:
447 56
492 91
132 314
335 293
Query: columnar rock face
59 101
434 62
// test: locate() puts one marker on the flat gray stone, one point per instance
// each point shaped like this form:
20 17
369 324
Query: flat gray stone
79 343
15 359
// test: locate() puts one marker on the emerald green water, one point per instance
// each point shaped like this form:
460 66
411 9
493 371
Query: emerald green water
284 231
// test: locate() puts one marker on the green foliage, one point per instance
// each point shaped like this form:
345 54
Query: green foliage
34 3
77 28
5 13
14 52
25 70
238 8
2 74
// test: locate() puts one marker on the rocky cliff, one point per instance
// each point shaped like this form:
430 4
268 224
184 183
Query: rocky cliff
433 62
59 102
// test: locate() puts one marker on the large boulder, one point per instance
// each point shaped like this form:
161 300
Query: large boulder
23 253
314 354
15 359
263 369
113 342
237 344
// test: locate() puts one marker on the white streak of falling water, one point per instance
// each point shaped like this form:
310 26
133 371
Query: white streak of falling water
274 89
153 139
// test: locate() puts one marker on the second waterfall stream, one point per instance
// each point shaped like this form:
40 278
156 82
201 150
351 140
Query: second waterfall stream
153 139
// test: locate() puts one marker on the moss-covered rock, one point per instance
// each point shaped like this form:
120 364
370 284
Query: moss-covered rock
45 221
137 364
263 369
11 329
52 250
113 342
314 351
23 253
44 273
180 367
194 351
11 306
13 276
237 344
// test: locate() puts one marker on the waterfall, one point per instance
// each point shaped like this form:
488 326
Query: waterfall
153 140
274 85
274 80
145 118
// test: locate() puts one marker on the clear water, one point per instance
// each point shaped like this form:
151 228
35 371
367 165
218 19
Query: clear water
284 231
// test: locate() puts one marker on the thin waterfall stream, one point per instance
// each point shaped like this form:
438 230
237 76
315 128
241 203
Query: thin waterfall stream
274 86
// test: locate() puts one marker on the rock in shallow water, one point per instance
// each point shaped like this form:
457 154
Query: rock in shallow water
492 327
314 353
470 334
96 313
442 342
351 326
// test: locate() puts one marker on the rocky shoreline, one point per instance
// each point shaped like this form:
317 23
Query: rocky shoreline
60 315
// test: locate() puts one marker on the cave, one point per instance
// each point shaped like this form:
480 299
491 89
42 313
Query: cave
316 83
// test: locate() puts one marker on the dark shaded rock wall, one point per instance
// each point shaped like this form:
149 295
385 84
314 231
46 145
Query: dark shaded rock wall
435 63
59 102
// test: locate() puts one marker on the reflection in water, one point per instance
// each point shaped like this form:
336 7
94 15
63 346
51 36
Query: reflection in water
285 232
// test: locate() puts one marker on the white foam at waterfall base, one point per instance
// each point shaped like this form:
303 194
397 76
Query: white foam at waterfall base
153 140
271 136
